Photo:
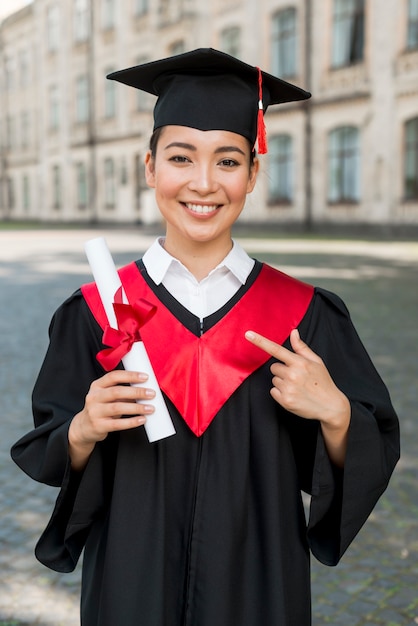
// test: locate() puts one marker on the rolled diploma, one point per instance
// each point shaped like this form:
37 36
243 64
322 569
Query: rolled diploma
158 424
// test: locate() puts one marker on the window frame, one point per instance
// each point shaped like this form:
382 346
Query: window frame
82 186
412 25
344 165
82 102
109 177
410 173
81 20
281 166
349 23
284 43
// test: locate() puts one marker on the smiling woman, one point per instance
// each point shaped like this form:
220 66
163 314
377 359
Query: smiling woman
269 387
201 180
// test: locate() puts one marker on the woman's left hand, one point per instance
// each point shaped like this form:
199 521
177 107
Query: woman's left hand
302 383
303 386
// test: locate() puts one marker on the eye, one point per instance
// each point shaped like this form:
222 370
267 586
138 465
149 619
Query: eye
229 163
177 158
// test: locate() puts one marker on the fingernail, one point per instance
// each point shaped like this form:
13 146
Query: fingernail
250 335
142 376
148 408
149 393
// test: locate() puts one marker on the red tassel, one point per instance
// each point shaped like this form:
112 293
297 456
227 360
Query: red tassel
261 126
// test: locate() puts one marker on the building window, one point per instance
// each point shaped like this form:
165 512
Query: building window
109 96
109 184
24 131
52 28
82 111
144 100
81 20
56 187
284 43
140 7
9 73
280 169
140 181
108 14
344 165
82 186
53 108
10 133
10 194
412 41
411 160
177 47
348 32
24 68
231 41
26 193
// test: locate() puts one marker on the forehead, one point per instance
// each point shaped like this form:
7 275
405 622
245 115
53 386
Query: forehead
202 139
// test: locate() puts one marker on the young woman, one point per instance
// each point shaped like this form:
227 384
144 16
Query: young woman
265 378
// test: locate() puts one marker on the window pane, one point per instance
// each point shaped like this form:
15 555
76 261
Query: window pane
141 6
82 190
344 165
348 32
109 183
82 99
108 14
230 41
81 20
56 187
26 193
413 24
53 108
284 43
52 27
280 169
110 96
411 159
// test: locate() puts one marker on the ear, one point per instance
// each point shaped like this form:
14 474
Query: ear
149 169
253 175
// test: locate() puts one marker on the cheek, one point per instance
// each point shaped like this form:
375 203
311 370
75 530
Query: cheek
240 187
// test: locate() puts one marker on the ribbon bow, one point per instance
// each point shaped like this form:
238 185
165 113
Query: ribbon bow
130 318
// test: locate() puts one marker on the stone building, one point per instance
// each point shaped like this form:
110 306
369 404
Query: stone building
72 143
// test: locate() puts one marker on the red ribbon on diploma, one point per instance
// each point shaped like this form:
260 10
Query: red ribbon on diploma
130 319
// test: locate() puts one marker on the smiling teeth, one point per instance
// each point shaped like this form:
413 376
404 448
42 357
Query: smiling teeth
199 208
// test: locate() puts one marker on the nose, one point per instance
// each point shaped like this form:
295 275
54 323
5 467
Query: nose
203 180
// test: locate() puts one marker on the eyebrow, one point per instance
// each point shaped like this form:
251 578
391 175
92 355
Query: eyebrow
189 146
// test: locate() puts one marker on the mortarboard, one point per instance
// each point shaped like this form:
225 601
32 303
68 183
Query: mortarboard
210 90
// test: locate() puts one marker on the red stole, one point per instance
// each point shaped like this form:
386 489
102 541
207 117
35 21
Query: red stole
199 374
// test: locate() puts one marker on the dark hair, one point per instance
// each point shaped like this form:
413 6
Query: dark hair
154 141
156 136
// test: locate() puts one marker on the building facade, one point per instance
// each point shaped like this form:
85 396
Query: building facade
72 143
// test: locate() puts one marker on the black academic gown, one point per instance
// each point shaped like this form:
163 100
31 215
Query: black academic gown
197 531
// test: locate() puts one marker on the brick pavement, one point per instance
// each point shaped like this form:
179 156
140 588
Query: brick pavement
376 582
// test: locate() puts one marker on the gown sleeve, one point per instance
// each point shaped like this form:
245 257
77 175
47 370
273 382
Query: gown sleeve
68 370
342 500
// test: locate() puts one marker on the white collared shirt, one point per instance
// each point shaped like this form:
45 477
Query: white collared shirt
202 298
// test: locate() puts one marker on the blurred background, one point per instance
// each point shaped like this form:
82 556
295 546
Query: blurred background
72 143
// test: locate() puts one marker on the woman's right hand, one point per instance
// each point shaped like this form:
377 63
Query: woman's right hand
108 399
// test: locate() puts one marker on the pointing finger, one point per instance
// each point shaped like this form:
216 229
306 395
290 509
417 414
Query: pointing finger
274 349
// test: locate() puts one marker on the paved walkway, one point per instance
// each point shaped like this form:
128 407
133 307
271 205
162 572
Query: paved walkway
377 581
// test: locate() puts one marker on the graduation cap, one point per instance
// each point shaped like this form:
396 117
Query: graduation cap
210 90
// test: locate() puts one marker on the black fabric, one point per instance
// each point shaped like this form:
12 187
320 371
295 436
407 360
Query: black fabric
209 90
199 531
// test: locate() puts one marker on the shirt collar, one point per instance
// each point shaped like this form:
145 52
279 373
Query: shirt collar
158 261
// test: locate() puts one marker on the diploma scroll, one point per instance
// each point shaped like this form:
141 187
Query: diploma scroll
158 424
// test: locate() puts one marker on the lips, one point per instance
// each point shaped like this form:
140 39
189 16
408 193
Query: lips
202 208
